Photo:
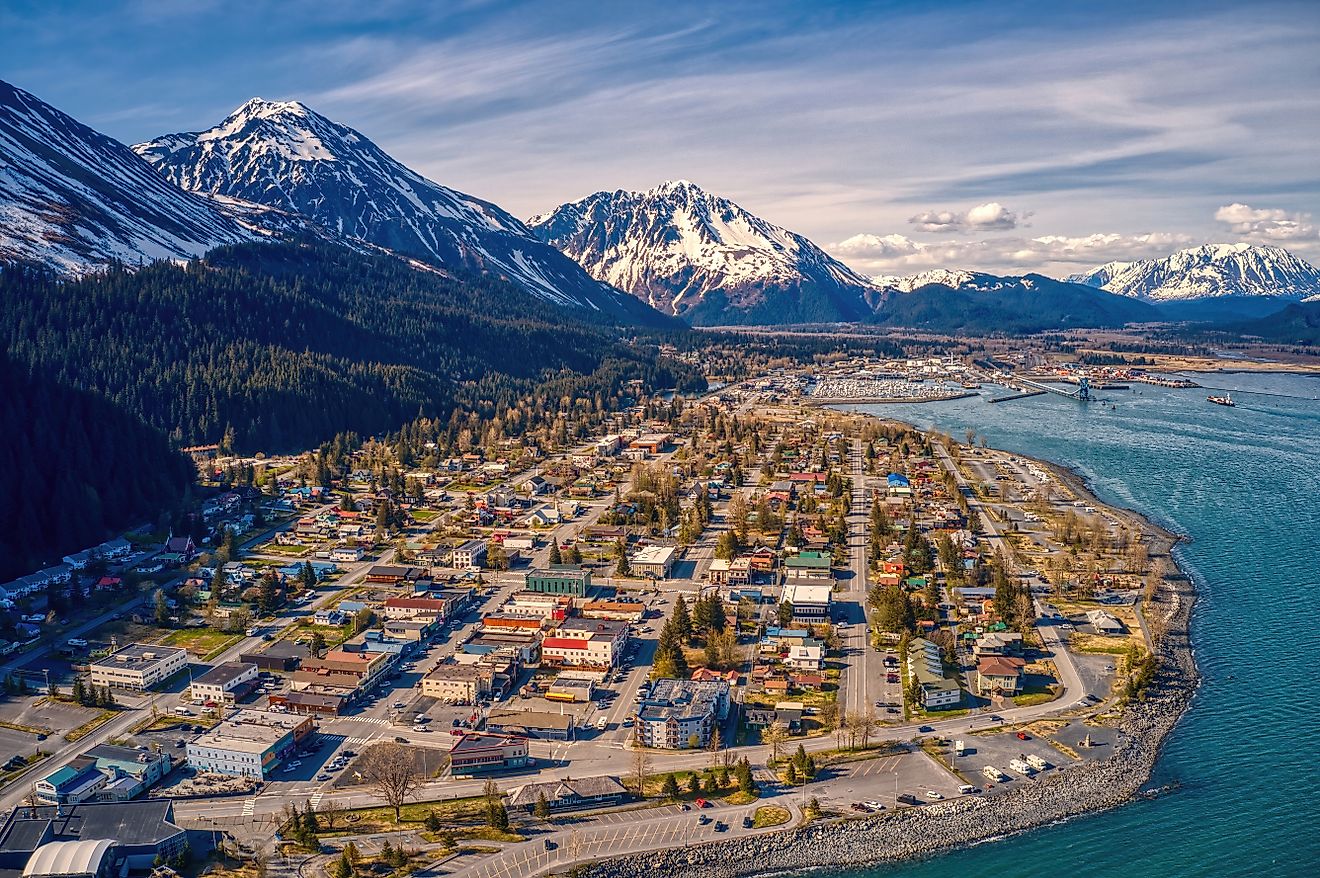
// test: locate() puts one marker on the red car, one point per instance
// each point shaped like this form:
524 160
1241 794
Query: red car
1023 736
702 803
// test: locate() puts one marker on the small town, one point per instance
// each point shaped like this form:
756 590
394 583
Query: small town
706 618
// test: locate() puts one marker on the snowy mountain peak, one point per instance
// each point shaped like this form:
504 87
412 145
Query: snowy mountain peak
1209 271
73 199
287 156
691 253
958 279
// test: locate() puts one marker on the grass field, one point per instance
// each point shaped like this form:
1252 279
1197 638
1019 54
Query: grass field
204 642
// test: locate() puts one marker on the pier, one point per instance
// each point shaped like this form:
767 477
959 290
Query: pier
1023 395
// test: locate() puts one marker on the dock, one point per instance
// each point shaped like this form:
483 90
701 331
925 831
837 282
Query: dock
1023 395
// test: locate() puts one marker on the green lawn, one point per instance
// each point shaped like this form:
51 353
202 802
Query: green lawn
204 642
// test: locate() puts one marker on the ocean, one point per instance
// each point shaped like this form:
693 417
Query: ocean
1243 484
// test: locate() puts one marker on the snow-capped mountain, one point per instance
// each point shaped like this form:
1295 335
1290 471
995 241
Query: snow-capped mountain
74 200
953 278
696 255
282 154
1211 271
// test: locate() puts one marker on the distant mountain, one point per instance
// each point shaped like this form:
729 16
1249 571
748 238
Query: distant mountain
1225 309
286 156
74 200
701 257
1211 271
954 279
987 304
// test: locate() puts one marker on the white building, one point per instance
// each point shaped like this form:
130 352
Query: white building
250 742
654 561
138 666
811 602
221 683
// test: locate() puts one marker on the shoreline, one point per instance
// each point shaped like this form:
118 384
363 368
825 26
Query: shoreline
1074 791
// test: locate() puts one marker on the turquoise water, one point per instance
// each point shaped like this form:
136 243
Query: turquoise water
1242 482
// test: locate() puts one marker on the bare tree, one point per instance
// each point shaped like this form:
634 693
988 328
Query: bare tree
641 762
776 735
389 768
866 725
330 812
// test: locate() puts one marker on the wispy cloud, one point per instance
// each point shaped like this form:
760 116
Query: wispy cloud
991 216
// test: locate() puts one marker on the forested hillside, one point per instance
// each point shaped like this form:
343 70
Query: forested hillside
280 346
76 469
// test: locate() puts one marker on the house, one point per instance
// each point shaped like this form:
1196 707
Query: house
653 561
1105 623
809 656
569 794
478 753
998 674
182 549
347 553
762 559
790 714
1002 643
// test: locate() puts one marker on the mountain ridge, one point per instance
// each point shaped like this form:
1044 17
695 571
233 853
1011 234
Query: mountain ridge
1208 271
284 155
700 256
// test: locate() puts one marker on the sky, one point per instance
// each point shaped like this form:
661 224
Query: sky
997 136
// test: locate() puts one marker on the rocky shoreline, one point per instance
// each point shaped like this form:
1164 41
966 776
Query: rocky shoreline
1076 790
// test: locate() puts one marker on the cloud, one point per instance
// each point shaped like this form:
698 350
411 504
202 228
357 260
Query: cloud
1267 224
1057 254
991 216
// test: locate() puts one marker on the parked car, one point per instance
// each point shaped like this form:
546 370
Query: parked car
1023 736
934 794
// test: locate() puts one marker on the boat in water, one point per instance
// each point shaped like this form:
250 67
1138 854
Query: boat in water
1226 399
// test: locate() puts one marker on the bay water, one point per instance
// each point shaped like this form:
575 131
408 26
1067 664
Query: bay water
1243 484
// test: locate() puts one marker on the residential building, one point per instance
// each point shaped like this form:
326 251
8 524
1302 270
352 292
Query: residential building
250 742
809 656
478 753
999 675
653 561
569 794
224 684
559 579
677 714
926 667
138 666
1105 623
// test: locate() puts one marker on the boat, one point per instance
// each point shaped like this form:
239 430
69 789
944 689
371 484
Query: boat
971 385
1226 399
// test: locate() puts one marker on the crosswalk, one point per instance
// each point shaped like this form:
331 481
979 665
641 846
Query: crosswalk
316 798
250 807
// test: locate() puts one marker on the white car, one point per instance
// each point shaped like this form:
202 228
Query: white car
934 794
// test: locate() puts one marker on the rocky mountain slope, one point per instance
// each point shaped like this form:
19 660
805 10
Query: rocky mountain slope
285 155
1210 271
74 200
701 257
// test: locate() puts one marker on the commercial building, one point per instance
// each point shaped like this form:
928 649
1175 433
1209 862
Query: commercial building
416 609
571 688
677 714
618 610
477 753
224 684
531 724
653 561
114 837
138 666
308 703
926 667
71 784
810 602
458 684
468 555
559 579
250 742
569 794
808 565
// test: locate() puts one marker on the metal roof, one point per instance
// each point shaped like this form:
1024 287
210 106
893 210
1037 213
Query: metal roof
68 857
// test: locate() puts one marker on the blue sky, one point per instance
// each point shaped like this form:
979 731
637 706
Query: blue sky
998 136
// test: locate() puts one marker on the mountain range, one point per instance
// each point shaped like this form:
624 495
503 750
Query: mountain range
1210 271
75 200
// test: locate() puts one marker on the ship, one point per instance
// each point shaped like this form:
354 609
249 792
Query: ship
1226 399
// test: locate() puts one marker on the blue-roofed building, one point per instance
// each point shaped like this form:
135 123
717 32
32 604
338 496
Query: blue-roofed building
131 772
76 782
322 569
898 484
